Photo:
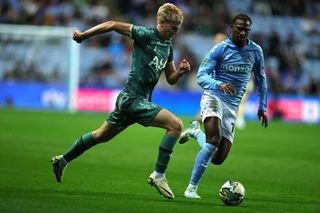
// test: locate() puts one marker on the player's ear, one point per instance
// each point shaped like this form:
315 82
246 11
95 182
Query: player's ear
161 22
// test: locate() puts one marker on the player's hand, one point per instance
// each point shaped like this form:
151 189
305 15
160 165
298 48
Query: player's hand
77 36
184 67
227 88
263 118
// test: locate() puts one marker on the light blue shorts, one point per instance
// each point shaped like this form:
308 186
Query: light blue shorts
212 106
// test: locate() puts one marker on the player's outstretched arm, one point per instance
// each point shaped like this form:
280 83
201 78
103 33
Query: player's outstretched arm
262 116
172 74
120 27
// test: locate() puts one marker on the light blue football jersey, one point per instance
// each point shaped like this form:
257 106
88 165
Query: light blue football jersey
228 63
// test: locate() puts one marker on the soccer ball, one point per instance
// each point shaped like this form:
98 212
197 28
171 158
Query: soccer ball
232 193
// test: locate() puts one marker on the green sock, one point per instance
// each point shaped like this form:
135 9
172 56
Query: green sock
84 143
165 149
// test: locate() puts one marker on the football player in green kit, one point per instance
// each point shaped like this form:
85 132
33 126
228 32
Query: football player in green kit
152 54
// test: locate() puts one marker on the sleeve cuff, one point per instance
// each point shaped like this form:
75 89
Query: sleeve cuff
217 84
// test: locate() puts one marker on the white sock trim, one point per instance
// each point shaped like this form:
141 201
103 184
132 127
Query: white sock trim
64 160
197 132
191 186
159 175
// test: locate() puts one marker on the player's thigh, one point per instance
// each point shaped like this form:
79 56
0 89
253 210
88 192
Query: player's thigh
142 111
210 106
228 122
211 113
167 120
120 117
131 109
106 132
212 128
223 151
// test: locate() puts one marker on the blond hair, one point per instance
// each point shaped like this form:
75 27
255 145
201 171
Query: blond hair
169 13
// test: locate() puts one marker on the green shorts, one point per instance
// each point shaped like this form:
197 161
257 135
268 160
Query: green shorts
131 109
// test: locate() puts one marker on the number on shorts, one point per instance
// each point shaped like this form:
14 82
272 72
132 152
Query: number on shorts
232 124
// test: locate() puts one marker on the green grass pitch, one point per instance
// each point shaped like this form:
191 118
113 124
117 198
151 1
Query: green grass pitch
279 167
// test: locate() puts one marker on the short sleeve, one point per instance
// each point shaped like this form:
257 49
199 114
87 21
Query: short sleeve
141 34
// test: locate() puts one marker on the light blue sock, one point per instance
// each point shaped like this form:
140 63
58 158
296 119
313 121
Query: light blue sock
200 137
201 163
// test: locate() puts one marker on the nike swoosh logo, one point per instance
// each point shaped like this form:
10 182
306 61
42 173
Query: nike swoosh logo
166 191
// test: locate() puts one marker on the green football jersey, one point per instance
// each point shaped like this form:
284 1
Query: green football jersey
149 58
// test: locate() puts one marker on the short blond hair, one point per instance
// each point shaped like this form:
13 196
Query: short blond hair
169 13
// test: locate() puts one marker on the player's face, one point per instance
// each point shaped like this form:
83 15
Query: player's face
240 30
168 30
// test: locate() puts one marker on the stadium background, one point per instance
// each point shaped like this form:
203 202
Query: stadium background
279 166
288 31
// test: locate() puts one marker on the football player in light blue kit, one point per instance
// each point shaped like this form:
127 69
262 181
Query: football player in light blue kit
224 74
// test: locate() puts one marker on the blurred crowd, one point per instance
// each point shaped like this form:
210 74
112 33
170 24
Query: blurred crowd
288 31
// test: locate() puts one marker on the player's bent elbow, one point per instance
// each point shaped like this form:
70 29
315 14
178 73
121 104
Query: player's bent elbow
109 26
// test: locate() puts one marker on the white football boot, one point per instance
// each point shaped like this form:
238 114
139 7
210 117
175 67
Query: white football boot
191 193
189 132
161 185
58 164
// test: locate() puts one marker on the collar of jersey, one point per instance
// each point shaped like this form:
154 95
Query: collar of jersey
159 36
229 41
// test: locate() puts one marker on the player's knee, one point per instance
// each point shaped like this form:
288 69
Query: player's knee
214 139
217 161
101 135
179 126
98 136
176 127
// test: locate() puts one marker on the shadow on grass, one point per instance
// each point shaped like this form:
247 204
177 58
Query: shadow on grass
140 197
287 200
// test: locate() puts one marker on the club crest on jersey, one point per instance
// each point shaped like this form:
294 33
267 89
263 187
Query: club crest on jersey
158 64
205 62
